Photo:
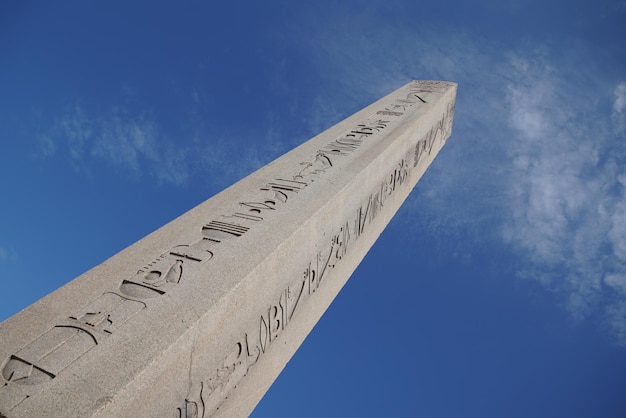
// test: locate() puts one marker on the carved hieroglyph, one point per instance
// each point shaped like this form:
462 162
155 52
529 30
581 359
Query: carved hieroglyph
198 318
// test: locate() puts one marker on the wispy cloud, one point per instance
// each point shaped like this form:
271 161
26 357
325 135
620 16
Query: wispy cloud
131 143
619 107
567 193
7 254
138 146
620 98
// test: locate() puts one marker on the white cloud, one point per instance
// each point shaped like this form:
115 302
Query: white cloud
619 106
616 314
132 143
528 114
567 200
7 254
617 231
126 142
78 131
620 98
47 145
616 281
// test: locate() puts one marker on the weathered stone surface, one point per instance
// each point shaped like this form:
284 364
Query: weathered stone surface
198 318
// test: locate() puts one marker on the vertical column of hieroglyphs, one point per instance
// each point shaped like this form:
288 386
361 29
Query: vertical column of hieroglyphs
120 347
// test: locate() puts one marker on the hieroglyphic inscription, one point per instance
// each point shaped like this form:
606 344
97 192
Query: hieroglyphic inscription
439 131
272 322
47 355
88 327
108 312
353 139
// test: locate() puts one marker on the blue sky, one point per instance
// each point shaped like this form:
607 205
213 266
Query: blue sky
499 289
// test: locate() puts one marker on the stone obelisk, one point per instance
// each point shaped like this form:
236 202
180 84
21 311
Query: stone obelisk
198 318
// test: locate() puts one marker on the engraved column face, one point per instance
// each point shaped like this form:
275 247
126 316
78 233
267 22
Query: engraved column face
199 317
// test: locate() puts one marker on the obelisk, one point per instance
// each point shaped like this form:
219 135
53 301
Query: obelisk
198 318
